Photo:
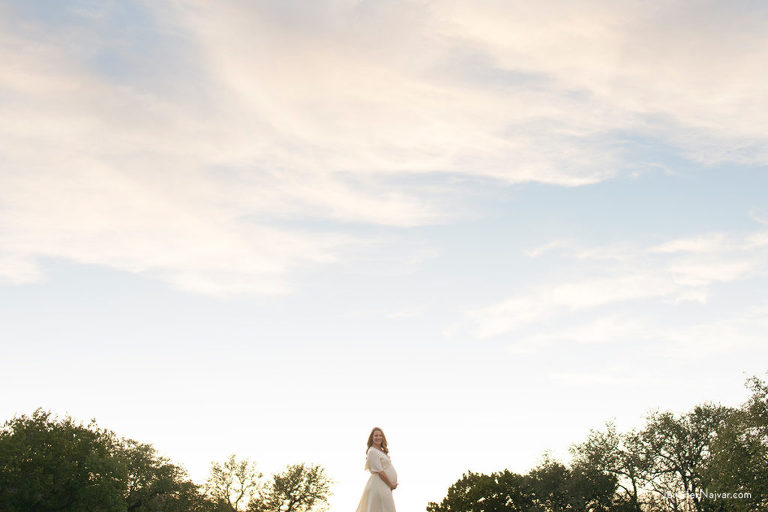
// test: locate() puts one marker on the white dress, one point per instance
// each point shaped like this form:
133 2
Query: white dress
377 496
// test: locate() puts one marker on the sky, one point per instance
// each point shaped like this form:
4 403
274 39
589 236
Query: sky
264 227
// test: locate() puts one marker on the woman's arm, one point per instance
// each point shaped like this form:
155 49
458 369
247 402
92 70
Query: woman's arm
384 477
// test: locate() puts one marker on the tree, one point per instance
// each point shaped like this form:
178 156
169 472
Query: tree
50 465
233 484
550 487
739 460
558 488
476 492
693 462
677 451
592 490
616 454
548 480
154 483
300 488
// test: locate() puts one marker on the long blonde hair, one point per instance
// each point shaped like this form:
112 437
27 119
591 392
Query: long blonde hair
383 441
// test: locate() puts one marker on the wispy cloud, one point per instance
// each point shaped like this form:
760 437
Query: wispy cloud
700 244
690 79
263 113
546 302
109 175
616 298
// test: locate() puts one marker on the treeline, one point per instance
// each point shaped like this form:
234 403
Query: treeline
49 464
711 459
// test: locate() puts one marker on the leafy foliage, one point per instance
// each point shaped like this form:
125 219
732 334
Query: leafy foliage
675 463
739 458
549 487
49 464
233 484
300 488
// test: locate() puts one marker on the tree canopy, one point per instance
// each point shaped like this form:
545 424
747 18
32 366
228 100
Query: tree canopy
710 459
49 464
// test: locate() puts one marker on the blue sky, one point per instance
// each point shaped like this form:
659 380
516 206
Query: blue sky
487 227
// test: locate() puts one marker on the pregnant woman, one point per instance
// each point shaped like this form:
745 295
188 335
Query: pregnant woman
377 495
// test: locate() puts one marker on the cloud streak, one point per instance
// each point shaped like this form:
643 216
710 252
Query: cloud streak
186 169
626 296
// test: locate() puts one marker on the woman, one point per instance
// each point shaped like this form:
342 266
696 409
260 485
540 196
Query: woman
377 495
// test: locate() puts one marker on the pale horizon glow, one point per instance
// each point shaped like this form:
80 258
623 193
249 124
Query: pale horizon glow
263 228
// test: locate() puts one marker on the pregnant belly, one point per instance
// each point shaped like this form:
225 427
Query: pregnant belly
391 474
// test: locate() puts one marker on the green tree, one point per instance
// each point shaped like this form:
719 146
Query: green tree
672 464
464 495
739 459
550 487
558 488
549 482
48 464
677 452
476 492
233 484
619 455
300 488
592 490
154 483
52 465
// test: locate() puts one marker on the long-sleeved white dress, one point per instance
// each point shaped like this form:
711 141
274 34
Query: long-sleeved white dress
377 496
